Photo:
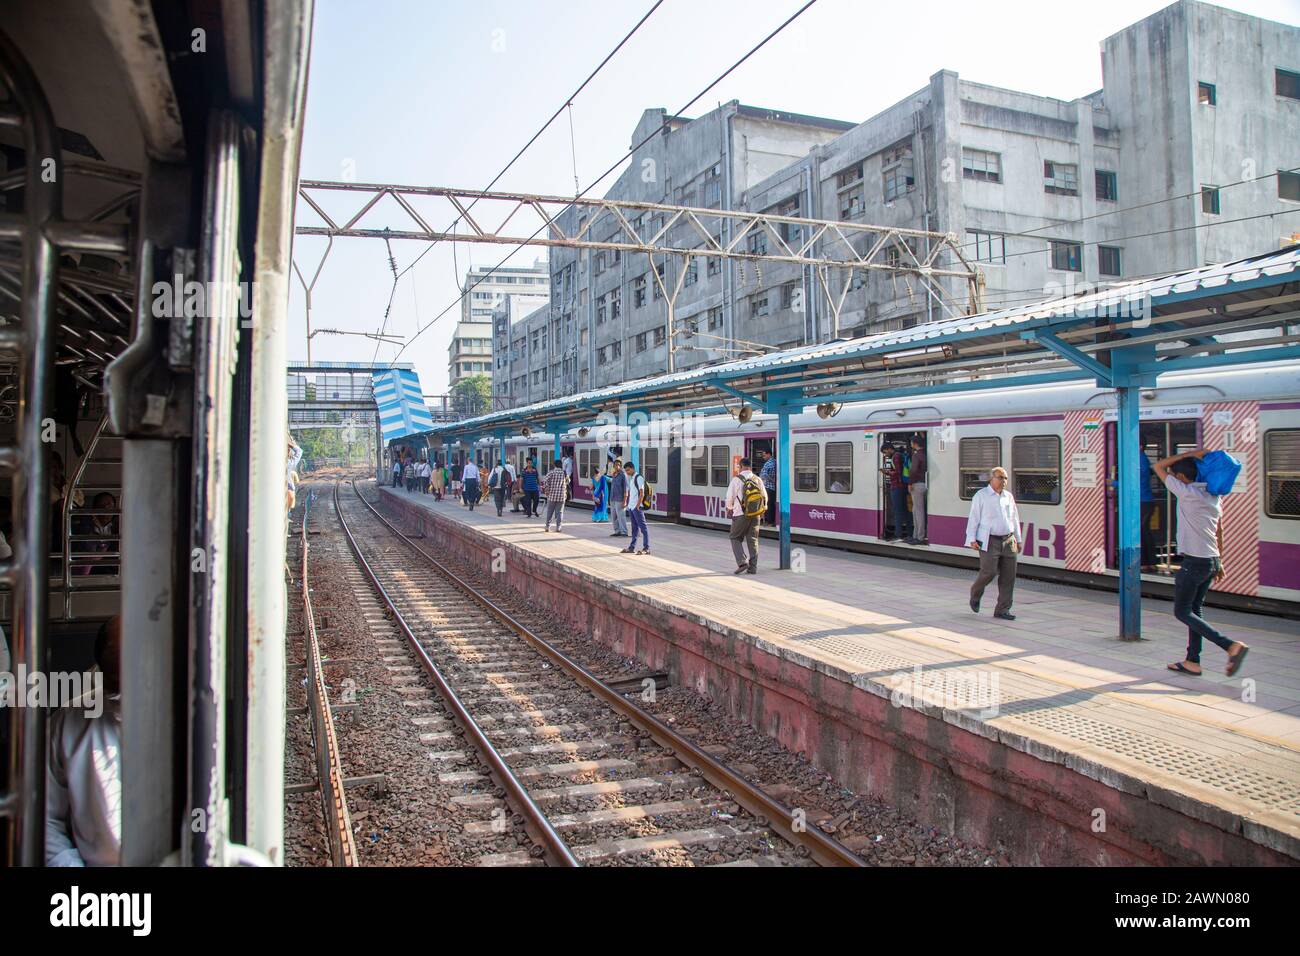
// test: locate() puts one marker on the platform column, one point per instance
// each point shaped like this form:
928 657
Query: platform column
1128 488
784 469
634 444
501 447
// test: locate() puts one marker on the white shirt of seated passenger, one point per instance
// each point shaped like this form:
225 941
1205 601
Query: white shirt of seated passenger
83 786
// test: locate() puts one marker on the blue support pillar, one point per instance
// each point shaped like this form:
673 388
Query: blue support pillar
501 445
1128 442
634 443
784 470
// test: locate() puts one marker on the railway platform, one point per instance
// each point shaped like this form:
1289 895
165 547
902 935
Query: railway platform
1046 737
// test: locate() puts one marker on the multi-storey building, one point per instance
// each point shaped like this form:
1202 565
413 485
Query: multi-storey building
511 345
1187 155
485 289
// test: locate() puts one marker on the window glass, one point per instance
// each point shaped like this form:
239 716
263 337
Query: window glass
720 465
976 457
1036 469
805 466
700 465
1282 473
839 467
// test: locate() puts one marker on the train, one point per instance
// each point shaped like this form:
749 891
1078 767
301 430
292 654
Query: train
1056 441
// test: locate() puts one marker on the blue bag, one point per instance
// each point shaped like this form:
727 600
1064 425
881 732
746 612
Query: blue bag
1219 471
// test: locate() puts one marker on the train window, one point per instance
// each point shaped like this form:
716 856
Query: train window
976 458
1036 469
839 467
805 466
650 465
1282 473
700 465
720 465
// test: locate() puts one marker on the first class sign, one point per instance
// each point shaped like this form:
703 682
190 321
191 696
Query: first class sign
1161 413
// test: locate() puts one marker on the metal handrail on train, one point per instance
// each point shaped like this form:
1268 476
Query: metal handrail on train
68 514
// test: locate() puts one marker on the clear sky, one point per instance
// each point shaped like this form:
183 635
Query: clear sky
444 92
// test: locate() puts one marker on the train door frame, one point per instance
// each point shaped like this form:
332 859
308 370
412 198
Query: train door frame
569 448
1164 501
882 488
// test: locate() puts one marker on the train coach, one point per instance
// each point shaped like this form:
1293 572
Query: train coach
1056 441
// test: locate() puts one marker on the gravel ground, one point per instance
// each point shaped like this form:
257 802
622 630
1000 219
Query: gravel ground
881 834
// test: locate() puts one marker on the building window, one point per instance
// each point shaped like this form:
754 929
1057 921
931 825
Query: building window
599 266
659 285
1282 473
715 318
713 193
1067 256
848 177
692 271
982 165
720 465
988 246
642 342
852 203
714 263
601 355
601 313
1108 260
638 292
839 467
1061 179
616 303
976 457
1210 200
896 172
1288 185
791 232
700 465
758 305
792 296
660 336
758 241
617 349
1205 94
805 466
1107 185
1287 83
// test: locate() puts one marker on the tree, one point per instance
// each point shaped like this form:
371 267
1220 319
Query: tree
472 396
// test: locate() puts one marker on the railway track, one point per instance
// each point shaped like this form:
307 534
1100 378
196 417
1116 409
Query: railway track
591 778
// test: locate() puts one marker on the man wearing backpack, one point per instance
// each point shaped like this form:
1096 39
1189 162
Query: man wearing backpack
746 503
1200 543
499 482
634 504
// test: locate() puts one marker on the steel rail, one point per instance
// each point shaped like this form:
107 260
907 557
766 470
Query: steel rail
820 847
535 819
329 770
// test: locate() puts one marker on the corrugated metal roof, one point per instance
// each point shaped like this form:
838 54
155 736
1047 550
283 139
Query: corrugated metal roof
1061 311
402 410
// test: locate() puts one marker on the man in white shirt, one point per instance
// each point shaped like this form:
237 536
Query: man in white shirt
1200 545
993 530
469 484
744 527
499 481
635 514
83 780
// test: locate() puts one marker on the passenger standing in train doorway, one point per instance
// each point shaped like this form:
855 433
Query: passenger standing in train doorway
900 518
617 499
767 475
1200 545
917 485
994 531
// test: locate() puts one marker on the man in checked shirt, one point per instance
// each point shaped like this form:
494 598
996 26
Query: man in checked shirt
554 488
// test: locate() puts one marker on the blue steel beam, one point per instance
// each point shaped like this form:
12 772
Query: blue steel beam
1257 356
736 393
1005 381
786 402
1070 353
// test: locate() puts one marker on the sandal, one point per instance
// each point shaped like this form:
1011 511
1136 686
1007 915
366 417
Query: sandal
1183 670
1234 660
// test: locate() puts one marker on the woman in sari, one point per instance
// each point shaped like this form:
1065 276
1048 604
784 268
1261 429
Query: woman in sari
599 495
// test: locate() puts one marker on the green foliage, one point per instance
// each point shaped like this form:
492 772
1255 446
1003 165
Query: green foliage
472 396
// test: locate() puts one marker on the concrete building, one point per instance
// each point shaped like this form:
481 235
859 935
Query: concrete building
470 350
512 322
1181 159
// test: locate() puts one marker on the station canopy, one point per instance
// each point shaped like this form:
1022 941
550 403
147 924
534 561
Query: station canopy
1242 311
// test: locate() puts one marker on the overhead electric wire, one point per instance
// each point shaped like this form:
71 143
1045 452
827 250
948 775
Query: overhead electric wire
695 99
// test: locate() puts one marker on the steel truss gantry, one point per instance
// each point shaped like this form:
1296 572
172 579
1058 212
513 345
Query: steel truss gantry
835 251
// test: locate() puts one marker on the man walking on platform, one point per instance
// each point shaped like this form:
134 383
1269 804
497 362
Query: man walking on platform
618 499
499 482
746 503
767 475
555 488
635 514
532 484
917 485
469 484
1200 544
994 531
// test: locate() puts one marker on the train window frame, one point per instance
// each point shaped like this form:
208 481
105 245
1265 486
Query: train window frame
962 469
699 460
1267 473
826 468
715 467
804 470
1016 471
647 455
